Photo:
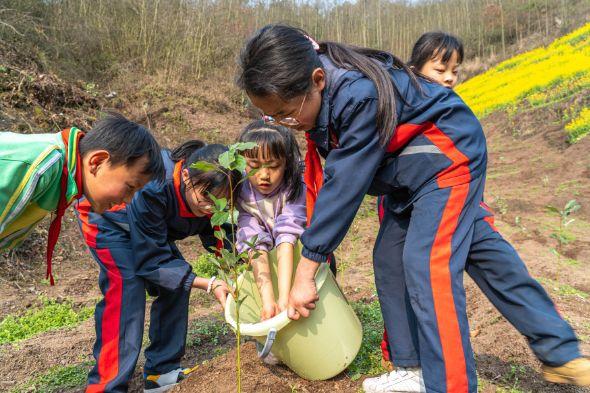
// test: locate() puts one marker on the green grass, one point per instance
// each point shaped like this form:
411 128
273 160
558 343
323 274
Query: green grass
209 330
57 379
51 316
368 360
563 289
202 267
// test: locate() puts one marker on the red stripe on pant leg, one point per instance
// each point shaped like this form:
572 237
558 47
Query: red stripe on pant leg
384 346
108 359
457 176
442 293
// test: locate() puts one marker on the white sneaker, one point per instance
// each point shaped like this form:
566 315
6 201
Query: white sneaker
400 380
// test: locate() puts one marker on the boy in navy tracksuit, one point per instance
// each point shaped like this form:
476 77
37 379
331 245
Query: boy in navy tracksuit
432 167
134 247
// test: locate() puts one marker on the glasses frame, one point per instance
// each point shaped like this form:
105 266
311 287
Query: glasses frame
287 121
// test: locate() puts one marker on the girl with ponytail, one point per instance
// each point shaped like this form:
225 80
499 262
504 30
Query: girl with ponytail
384 130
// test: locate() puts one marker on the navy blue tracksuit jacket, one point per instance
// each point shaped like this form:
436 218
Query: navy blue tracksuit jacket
432 171
134 247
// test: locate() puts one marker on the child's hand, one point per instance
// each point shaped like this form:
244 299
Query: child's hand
220 290
283 303
269 310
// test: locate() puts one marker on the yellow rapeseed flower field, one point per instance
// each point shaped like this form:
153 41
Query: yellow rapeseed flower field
537 76
579 127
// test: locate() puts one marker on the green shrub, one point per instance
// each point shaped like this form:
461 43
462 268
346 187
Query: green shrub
203 267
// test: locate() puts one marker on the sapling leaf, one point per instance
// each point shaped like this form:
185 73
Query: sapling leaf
204 166
226 159
571 206
241 146
219 218
240 163
220 204
552 209
236 215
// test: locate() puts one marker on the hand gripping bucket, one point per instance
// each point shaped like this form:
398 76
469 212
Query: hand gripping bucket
316 348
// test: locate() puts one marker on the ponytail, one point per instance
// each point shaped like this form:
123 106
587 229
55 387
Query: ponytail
280 59
184 151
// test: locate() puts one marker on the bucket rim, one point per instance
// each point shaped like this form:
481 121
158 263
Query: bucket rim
279 321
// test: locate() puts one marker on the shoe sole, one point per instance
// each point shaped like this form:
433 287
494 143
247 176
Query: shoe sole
560 378
161 389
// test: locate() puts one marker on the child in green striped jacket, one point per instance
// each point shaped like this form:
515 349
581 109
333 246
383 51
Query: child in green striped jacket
45 173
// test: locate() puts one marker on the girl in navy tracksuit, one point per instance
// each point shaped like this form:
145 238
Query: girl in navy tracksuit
385 132
492 262
134 246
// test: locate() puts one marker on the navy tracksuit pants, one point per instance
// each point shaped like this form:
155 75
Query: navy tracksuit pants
419 259
119 316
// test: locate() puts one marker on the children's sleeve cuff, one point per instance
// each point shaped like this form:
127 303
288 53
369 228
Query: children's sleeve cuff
188 283
286 238
314 256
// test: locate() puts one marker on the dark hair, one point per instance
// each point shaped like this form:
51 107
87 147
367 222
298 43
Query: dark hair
278 142
210 182
434 44
280 59
126 142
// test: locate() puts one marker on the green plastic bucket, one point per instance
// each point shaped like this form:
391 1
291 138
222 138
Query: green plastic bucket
316 348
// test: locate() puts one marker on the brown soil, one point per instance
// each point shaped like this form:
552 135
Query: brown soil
219 376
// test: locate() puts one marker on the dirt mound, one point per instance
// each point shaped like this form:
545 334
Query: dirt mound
219 376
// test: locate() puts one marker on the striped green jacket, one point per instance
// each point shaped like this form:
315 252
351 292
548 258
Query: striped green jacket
31 166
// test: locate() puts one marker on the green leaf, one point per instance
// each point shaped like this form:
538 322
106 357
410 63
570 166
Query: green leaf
226 159
553 209
241 146
571 206
220 203
219 218
240 163
236 214
204 166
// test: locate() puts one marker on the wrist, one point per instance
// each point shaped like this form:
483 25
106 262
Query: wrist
201 283
210 284
306 268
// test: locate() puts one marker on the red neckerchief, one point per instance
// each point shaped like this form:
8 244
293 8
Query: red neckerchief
62 204
312 176
183 210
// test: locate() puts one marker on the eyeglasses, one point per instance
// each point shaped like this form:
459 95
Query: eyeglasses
287 121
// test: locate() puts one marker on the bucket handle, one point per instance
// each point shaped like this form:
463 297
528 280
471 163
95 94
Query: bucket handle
270 339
